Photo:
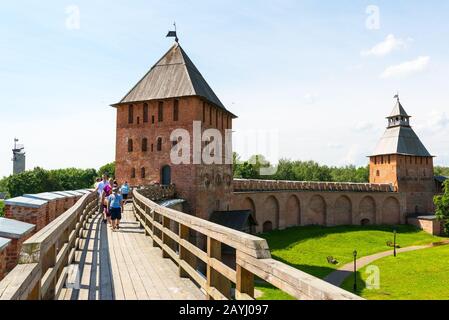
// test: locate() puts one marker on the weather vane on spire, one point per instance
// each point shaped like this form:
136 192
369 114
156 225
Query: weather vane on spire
173 34
397 96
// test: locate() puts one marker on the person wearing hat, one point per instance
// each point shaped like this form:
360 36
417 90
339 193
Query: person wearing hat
115 206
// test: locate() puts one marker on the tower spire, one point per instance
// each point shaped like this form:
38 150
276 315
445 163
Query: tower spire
173 34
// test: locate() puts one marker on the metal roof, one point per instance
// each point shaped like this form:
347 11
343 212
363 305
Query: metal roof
65 194
398 110
75 193
401 140
236 220
44 196
26 202
14 229
441 179
4 243
83 191
171 202
173 76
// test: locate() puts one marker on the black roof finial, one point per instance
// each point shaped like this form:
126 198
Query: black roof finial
397 96
173 34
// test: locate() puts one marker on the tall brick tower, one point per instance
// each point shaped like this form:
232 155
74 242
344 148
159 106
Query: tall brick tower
173 95
401 159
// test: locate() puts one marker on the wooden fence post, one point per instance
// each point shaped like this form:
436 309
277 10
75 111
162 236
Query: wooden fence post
165 238
214 278
49 261
245 284
184 254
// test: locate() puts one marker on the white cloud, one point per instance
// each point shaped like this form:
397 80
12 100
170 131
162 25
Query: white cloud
437 122
311 98
406 68
363 126
334 145
390 44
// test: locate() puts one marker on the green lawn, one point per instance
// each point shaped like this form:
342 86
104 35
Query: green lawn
307 248
415 275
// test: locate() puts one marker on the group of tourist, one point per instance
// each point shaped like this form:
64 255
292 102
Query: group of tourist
111 199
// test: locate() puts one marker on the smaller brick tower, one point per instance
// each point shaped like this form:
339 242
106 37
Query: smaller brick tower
401 159
173 95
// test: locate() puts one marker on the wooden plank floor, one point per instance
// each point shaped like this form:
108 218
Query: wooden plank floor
124 265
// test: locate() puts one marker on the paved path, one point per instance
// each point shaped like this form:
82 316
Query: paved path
124 265
338 276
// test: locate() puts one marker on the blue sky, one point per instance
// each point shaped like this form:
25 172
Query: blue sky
313 70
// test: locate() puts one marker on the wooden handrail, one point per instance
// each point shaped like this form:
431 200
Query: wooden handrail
171 230
46 256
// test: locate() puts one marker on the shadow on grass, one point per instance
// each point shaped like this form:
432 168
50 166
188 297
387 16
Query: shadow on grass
348 284
281 239
316 271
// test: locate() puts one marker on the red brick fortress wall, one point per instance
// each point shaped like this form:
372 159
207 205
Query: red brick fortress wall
282 204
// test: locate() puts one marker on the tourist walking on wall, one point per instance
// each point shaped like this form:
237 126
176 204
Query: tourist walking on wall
100 191
124 190
115 206
107 191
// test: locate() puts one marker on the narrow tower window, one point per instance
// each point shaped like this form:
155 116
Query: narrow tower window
160 112
142 173
210 115
145 112
159 144
130 145
133 173
176 110
204 111
130 114
144 145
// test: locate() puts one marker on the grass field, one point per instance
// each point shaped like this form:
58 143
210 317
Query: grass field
307 248
415 275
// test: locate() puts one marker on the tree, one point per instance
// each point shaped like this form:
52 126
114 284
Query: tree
441 171
40 180
442 207
108 169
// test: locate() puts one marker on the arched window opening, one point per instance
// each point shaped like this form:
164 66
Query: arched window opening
142 173
133 173
159 144
130 145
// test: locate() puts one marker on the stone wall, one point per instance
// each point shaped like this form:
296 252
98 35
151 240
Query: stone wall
283 209
413 176
3 271
205 187
32 215
428 224
13 252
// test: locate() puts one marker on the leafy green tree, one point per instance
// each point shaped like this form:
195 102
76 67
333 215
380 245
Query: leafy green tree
108 169
32 181
299 171
41 180
73 179
442 207
441 171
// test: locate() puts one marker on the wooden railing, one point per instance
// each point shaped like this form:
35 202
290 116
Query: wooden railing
47 255
182 238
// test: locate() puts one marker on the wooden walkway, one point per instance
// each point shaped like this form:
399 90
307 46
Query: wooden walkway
124 265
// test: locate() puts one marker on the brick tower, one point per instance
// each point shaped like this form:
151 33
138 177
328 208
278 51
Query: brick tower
401 159
174 95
